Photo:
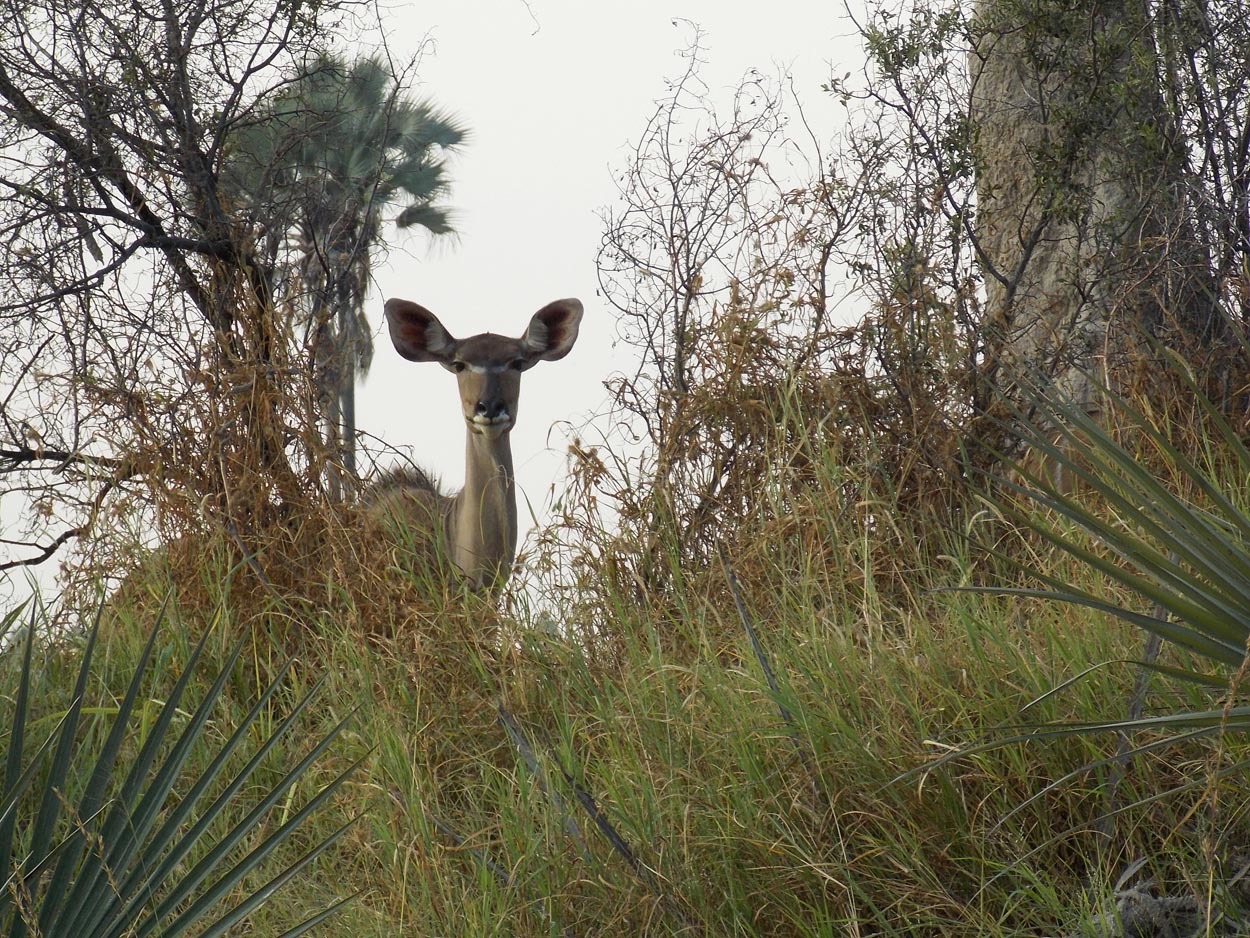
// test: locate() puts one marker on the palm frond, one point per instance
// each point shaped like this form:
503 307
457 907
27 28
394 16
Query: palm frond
101 846
1190 558
1181 548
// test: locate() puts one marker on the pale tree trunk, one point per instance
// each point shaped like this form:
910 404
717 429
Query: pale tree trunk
346 392
336 478
1082 225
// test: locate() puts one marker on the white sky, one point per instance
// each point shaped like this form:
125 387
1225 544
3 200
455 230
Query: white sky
554 92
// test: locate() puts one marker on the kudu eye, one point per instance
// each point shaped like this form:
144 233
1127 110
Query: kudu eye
519 364
458 366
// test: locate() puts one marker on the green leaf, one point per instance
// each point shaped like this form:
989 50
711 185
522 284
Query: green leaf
117 845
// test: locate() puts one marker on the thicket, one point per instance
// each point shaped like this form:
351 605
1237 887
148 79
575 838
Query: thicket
780 663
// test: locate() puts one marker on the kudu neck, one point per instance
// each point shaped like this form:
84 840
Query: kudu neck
483 522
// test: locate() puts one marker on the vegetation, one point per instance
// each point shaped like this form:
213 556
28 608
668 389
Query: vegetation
325 158
849 645
184 263
104 832
686 765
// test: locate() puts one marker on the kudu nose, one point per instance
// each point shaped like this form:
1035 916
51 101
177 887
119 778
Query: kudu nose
490 410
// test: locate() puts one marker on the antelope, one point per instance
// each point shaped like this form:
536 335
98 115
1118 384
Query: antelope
478 524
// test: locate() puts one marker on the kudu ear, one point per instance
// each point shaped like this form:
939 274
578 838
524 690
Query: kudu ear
417 333
553 330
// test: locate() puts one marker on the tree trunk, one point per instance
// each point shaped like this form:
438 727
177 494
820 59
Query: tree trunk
347 412
1083 229
336 476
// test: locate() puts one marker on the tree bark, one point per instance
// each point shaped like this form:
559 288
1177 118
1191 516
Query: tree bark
1083 228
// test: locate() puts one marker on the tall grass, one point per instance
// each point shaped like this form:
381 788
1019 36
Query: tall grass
538 791
679 758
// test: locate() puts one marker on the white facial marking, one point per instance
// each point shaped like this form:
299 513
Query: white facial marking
492 369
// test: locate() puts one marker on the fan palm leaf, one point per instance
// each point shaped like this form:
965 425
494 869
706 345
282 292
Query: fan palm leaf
113 849
1189 557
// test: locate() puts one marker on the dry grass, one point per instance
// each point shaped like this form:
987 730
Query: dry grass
663 761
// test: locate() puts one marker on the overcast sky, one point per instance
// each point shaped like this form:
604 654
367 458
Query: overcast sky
555 92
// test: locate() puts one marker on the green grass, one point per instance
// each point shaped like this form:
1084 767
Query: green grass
671 797
654 781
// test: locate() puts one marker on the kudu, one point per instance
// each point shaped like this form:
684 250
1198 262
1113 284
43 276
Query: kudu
479 524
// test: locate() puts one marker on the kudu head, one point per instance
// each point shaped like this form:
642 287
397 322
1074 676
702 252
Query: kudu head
487 367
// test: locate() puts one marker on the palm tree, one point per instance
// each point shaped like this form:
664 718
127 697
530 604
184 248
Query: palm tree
339 145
